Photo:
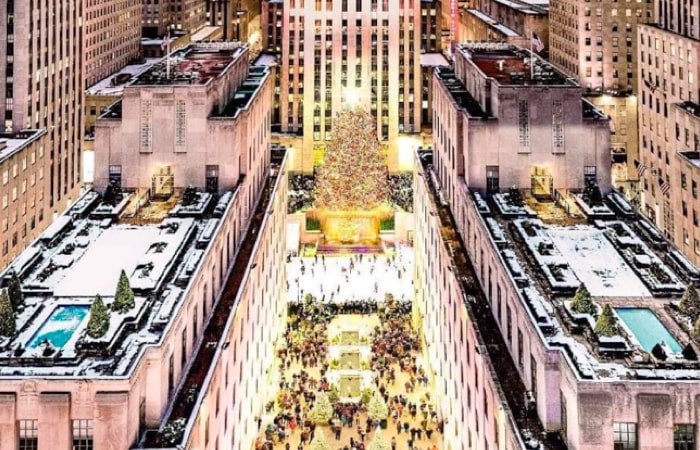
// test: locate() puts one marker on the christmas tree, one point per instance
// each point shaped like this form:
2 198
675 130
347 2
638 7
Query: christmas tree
319 441
124 298
607 324
7 315
377 409
354 174
690 302
582 303
98 324
322 410
14 290
695 332
379 443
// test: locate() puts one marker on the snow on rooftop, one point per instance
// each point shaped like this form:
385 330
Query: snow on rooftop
596 262
97 272
106 86
433 60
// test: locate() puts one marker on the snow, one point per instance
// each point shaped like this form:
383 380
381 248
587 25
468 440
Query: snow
516 269
496 230
596 262
371 278
481 204
56 228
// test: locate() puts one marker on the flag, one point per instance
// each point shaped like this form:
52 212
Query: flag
650 85
536 42
665 187
641 168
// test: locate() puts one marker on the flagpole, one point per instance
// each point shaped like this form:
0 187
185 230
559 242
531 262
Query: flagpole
532 62
167 55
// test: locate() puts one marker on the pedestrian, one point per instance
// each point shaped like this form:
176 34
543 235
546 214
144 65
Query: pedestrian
393 443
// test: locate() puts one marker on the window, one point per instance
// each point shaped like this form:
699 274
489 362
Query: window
684 436
82 434
625 435
212 178
115 175
28 435
524 124
492 179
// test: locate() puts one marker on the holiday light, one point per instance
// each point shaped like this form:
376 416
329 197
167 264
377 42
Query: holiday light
354 174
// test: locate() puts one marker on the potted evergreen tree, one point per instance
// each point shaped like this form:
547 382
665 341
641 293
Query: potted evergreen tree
98 324
7 315
582 303
124 297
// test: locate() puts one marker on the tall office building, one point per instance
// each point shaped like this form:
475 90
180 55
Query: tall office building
597 44
112 37
177 15
42 78
669 115
339 51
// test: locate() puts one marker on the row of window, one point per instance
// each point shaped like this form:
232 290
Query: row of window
28 435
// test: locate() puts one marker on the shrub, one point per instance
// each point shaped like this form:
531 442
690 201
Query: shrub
124 297
607 324
689 353
658 352
113 194
173 431
312 224
190 196
690 303
387 224
582 303
14 290
7 315
98 324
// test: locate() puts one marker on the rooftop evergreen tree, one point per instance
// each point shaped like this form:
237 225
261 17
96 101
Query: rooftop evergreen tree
98 324
607 324
7 315
377 409
14 290
690 302
124 297
319 441
322 411
695 332
354 174
582 303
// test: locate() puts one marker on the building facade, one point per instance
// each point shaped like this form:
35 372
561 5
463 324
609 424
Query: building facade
669 115
179 124
42 75
339 51
159 16
511 21
112 37
24 166
597 44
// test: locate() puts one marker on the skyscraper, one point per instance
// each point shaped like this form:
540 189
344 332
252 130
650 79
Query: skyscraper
669 116
339 51
597 44
112 37
42 76
179 15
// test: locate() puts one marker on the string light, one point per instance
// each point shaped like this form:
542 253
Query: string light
354 174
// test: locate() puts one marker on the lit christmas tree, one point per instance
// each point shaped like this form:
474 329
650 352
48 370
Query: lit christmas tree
322 411
319 441
379 443
354 174
377 409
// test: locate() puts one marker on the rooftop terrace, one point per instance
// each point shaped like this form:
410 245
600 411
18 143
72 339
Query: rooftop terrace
81 254
510 65
115 84
623 261
196 64
11 143
459 92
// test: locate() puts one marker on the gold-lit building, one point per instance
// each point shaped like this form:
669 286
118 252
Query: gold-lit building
669 131
597 44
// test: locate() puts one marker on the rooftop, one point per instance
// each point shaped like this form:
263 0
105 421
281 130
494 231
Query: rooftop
692 157
198 63
11 143
459 92
493 23
205 33
527 6
433 60
246 91
691 107
81 254
510 65
114 84
623 261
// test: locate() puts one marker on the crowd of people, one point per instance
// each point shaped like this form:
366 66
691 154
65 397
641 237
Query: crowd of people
413 422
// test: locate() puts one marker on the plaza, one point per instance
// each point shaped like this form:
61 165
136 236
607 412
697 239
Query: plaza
355 343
